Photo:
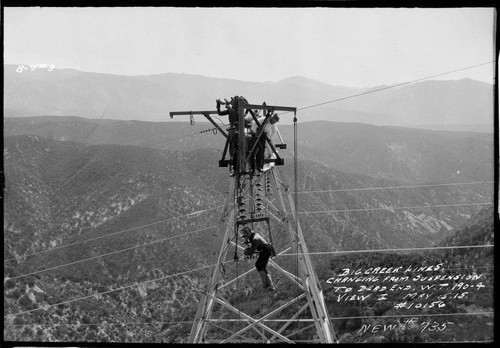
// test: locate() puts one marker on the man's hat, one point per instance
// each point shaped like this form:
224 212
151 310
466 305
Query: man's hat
245 230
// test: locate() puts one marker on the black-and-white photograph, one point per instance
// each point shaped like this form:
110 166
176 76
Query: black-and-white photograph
249 175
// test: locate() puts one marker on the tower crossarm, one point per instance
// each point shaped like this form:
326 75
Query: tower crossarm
271 107
204 113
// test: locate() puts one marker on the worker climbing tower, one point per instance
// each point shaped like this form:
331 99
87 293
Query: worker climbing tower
233 307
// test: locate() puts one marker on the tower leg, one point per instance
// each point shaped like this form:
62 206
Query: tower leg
307 274
199 328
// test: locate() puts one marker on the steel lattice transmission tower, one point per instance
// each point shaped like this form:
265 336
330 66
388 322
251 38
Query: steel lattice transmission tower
230 308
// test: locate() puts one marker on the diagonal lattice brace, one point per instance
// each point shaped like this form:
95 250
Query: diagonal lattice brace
277 310
248 318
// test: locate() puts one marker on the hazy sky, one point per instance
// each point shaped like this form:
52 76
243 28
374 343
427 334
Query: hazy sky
341 46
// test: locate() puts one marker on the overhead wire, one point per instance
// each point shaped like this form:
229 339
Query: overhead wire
391 86
227 261
102 324
110 253
467 341
285 254
170 140
187 135
188 322
45 308
396 208
392 250
88 136
486 313
113 290
115 233
397 187
413 315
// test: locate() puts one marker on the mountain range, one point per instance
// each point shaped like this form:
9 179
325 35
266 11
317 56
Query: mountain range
458 105
412 156
58 191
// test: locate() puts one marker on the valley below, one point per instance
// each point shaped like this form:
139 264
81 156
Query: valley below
110 227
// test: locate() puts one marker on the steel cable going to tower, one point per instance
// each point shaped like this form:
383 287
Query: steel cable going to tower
198 269
398 187
396 208
486 313
90 133
282 254
114 233
110 253
114 290
392 86
393 250
185 135
231 261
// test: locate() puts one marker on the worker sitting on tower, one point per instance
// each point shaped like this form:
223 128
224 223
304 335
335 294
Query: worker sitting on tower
266 250
262 149
270 129
231 110
252 141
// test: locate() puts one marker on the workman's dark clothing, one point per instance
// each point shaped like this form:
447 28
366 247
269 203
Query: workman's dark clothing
257 144
232 112
266 250
259 152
